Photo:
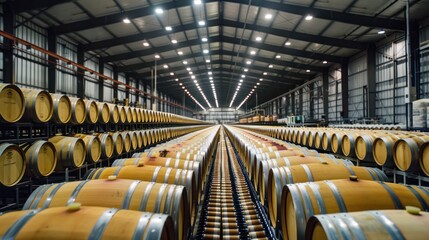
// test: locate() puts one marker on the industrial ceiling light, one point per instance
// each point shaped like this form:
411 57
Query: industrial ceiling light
177 79
188 69
288 43
241 80
261 79
126 20
210 78
146 44
257 84
278 56
258 39
159 11
252 52
205 51
246 69
325 62
308 70
208 61
165 66
172 73
268 16
204 39
210 73
180 52
308 17
168 28
197 2
243 76
174 41
270 66
185 62
249 62
201 23
157 56
382 31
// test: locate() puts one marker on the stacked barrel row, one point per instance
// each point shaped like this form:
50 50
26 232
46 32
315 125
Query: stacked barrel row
303 190
153 197
39 106
405 150
42 158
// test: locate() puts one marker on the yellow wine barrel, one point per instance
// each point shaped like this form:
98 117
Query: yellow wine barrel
39 106
144 115
128 114
107 144
71 151
134 140
93 147
326 140
77 222
383 224
62 108
334 196
127 141
382 149
41 158
280 177
120 193
363 147
13 104
150 116
78 111
134 114
164 162
265 166
114 113
12 164
103 112
348 144
152 174
118 142
336 142
91 111
122 114
406 153
138 114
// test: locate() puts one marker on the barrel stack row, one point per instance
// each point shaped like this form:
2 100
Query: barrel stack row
405 150
143 200
39 106
318 197
42 158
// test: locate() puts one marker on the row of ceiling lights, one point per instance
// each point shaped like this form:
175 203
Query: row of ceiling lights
190 95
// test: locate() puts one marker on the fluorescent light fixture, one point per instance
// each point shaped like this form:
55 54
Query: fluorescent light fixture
210 73
201 23
172 73
257 84
185 62
177 79
381 32
205 51
180 84
252 52
174 41
241 80
193 77
270 66
278 56
325 62
165 66
268 16
210 78
249 62
204 39
258 39
265 73
188 69
208 61
197 2
261 79
243 76
308 70
146 44
180 52
168 28
288 43
246 69
159 11
126 20
190 73
308 17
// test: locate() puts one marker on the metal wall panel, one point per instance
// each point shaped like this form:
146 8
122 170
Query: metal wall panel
335 105
108 85
91 80
121 88
318 99
66 74
306 101
424 64
357 84
391 82
30 65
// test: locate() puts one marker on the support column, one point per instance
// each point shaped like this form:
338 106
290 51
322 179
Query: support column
345 88
137 93
9 22
127 90
325 89
292 103
115 85
300 101
52 66
80 73
311 89
371 75
100 81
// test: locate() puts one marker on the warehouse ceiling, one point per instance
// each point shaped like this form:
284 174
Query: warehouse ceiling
218 51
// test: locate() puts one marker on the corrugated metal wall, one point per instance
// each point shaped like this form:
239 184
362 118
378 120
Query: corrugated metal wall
306 101
66 75
318 99
357 84
424 64
335 105
91 84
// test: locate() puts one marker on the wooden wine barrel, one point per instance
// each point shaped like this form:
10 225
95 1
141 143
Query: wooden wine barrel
107 144
12 164
75 222
71 152
118 142
152 174
139 135
150 115
383 224
164 162
122 114
139 114
363 147
333 196
265 166
114 113
62 108
134 140
128 114
127 141
144 115
78 111
176 155
382 149
280 177
91 111
348 144
93 147
336 142
39 106
120 193
318 139
134 114
103 112
41 158
13 103
406 153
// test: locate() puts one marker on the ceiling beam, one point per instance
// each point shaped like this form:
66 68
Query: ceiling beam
137 66
370 21
26 5
231 40
227 23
